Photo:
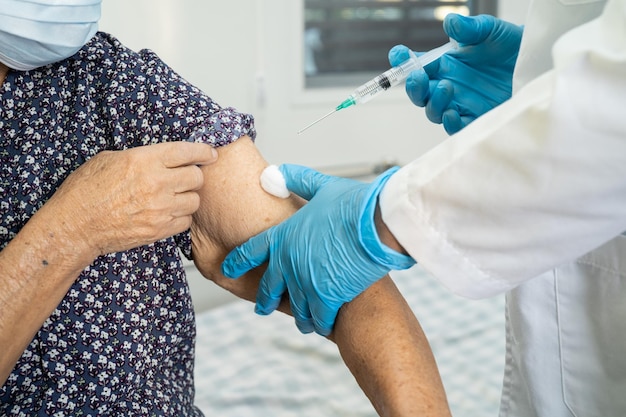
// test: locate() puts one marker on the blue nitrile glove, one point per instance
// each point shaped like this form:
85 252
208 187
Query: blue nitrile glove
464 84
326 254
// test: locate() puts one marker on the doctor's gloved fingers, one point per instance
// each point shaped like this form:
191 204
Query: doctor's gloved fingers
300 310
248 255
398 54
440 98
303 181
418 87
453 122
271 289
305 325
323 317
302 317
468 30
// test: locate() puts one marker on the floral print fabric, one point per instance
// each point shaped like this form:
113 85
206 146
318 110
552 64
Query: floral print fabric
121 342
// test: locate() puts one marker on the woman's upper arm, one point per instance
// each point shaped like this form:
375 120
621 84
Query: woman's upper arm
234 208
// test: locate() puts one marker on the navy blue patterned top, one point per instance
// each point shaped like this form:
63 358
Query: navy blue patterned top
122 340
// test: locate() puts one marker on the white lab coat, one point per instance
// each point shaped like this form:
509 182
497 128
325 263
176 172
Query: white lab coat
530 199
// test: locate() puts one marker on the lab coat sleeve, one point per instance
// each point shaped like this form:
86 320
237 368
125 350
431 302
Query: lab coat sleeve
533 184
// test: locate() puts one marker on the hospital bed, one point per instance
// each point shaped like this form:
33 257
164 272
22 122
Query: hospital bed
248 365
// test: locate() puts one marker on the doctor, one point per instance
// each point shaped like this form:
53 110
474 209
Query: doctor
528 200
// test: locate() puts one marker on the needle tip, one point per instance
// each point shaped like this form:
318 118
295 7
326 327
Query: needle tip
317 121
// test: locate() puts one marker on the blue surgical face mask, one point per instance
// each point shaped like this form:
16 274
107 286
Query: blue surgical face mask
34 33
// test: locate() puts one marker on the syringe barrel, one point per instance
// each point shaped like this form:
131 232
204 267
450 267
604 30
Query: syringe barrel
385 81
399 74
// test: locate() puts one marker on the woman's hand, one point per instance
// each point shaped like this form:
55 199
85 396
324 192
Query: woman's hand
123 199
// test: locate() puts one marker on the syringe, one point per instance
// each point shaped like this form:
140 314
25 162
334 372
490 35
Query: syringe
389 78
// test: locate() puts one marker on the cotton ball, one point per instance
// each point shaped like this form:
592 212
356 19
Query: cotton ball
273 182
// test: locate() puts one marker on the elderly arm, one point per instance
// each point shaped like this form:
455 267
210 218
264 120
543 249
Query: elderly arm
377 334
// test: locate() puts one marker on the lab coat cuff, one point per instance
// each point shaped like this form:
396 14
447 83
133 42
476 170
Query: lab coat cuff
368 235
429 246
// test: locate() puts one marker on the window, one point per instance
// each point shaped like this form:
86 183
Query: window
345 40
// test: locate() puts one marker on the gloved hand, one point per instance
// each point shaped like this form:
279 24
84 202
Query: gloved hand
326 254
464 84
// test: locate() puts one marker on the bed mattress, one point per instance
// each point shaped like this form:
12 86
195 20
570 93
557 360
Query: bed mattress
250 365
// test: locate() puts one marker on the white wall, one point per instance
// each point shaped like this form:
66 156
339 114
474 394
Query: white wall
247 54
513 10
